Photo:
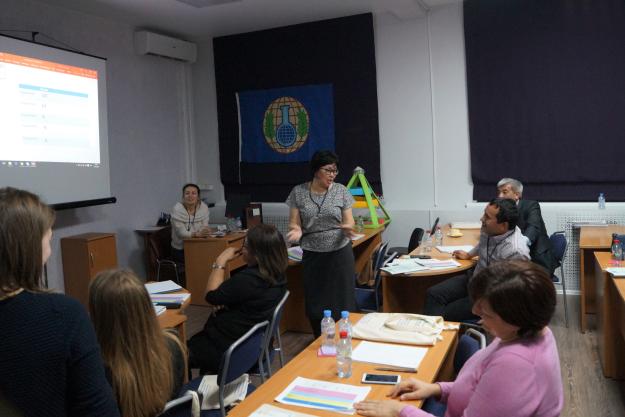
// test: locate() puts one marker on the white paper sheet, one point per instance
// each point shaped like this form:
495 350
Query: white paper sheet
616 271
162 286
234 391
438 263
451 249
267 410
389 354
403 266
322 395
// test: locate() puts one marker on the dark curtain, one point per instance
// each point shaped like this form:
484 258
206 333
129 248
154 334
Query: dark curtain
338 51
546 96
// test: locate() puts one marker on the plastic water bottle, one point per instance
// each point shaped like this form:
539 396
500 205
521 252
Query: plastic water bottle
617 250
438 237
239 224
328 330
344 355
427 242
345 325
601 201
360 224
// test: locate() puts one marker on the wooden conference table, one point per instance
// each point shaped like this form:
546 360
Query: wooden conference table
610 303
592 239
436 366
406 293
200 254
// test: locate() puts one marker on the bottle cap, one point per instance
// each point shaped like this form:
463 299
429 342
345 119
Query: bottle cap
344 314
343 334
327 313
617 241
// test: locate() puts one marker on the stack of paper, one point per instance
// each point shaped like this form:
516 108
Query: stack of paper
162 287
403 266
616 271
400 356
295 253
169 299
234 391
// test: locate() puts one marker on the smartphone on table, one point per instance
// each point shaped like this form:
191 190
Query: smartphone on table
380 379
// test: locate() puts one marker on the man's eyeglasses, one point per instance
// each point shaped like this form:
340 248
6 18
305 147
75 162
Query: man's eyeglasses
330 171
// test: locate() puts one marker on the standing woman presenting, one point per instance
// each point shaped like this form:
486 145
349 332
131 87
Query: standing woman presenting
189 218
321 220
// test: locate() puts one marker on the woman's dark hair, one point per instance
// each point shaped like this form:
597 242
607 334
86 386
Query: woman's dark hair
191 185
322 158
520 292
508 211
24 220
267 245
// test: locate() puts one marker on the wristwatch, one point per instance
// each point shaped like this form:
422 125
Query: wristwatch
217 266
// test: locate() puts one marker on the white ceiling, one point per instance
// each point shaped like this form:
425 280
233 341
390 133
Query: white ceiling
227 17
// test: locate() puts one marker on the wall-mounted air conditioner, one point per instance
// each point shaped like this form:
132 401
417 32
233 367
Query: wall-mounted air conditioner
155 44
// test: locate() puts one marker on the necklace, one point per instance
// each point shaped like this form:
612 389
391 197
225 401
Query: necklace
489 254
190 222
319 206
11 294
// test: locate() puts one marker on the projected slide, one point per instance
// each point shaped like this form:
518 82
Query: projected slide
48 112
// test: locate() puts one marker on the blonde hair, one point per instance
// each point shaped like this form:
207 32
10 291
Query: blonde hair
134 347
24 220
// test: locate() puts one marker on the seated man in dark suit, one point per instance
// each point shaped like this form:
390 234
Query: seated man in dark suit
531 224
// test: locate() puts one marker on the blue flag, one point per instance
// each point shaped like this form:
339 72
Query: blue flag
285 124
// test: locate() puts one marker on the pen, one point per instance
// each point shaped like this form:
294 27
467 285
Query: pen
398 369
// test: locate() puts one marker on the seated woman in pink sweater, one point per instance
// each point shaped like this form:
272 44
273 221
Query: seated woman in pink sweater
518 374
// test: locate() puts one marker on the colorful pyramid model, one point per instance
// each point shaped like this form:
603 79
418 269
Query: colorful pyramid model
366 199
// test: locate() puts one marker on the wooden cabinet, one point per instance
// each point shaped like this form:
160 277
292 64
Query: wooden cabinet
83 257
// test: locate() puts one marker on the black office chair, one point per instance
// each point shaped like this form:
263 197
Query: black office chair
241 356
415 239
558 241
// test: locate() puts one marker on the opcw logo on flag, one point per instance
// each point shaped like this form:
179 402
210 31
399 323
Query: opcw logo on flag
285 125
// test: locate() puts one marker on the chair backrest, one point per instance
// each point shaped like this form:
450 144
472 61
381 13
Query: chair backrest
470 342
185 406
379 263
415 239
274 327
558 241
240 357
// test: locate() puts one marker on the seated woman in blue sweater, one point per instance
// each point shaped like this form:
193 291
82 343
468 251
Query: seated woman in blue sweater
145 365
50 362
243 300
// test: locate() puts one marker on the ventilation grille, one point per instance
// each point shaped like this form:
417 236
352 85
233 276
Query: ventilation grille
565 221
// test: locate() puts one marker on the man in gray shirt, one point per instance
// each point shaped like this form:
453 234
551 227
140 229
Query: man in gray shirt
500 239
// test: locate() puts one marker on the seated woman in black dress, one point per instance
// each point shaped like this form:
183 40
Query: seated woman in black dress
144 364
247 298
